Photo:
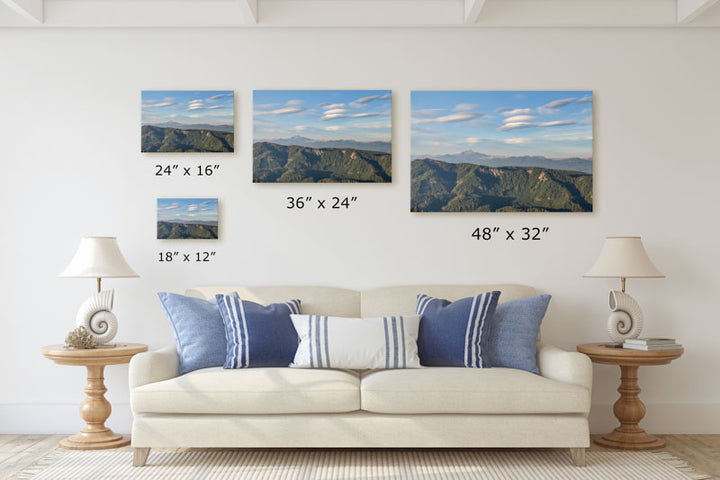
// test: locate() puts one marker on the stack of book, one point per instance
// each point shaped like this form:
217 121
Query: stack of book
651 344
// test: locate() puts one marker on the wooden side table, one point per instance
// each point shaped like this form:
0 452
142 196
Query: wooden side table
95 409
629 410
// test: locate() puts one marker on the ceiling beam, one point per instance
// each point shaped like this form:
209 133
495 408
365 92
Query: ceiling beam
360 13
357 13
689 10
249 8
472 10
578 13
147 13
29 9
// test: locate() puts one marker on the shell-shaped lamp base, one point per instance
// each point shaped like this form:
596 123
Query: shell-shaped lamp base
96 315
626 319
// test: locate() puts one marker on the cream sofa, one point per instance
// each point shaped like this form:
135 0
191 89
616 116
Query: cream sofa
434 407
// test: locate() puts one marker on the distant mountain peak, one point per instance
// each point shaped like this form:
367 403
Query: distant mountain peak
576 164
300 141
194 126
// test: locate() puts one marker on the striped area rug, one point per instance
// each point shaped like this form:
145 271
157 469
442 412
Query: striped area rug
357 464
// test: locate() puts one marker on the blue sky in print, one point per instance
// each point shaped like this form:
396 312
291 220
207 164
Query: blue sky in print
188 107
554 124
187 210
360 115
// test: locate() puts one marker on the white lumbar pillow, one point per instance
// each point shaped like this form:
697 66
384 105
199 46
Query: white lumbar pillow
356 343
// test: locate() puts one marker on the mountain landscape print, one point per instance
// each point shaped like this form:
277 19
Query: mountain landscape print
188 121
328 136
187 218
502 151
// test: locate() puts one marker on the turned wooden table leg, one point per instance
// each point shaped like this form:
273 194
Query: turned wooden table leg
95 409
629 410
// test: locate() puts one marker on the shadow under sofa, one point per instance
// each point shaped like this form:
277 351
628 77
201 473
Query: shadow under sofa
429 407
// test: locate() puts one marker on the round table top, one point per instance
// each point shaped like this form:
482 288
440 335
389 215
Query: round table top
112 354
612 354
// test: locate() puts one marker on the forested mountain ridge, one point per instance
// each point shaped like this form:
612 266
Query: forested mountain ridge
168 139
173 230
439 186
293 163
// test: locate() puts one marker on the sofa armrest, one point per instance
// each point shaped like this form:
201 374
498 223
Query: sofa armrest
151 367
569 367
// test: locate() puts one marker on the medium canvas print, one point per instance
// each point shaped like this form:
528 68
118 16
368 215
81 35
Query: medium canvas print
322 136
502 151
187 218
188 121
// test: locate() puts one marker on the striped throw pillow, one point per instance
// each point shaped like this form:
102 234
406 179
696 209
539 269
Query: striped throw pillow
257 335
454 334
356 343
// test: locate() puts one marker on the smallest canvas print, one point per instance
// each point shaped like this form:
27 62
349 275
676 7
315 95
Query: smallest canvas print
187 218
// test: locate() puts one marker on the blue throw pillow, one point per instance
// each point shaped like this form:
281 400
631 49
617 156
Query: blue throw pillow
455 334
199 331
258 336
514 332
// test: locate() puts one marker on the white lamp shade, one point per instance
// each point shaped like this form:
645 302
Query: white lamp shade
98 257
623 257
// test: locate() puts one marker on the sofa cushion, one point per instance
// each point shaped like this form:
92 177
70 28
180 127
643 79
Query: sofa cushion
469 390
251 391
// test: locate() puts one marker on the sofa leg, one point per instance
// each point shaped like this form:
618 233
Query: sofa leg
140 456
578 456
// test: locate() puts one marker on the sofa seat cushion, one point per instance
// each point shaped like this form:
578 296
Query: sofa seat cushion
252 391
469 390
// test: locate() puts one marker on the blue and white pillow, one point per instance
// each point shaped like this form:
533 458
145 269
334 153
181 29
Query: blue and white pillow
454 334
356 343
257 335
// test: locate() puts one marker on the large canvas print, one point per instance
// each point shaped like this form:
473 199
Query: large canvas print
502 151
322 136
187 218
188 121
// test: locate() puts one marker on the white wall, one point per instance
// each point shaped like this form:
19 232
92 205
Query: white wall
70 165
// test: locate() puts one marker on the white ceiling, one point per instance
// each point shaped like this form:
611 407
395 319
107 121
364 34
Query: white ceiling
359 13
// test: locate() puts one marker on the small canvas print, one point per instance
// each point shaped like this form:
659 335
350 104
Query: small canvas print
322 136
188 121
187 218
502 151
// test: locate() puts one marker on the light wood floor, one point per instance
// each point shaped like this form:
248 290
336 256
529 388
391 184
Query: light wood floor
20 451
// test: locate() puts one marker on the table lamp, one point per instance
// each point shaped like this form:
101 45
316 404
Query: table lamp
98 257
623 257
